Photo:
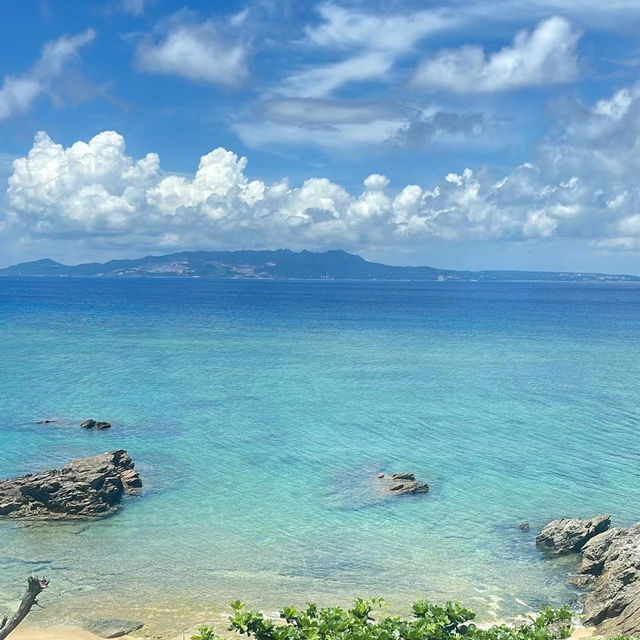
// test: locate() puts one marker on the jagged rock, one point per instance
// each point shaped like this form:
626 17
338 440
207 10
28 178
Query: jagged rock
571 534
594 552
612 560
95 424
112 628
401 484
524 526
87 487
609 569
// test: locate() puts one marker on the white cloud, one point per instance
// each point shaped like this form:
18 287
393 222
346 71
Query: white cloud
134 7
428 126
314 112
19 92
322 80
583 184
617 106
199 52
328 124
611 15
373 42
345 125
238 19
545 56
344 136
354 29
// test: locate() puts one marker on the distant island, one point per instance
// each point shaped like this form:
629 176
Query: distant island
284 264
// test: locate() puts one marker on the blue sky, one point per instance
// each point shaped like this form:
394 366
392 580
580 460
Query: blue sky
461 134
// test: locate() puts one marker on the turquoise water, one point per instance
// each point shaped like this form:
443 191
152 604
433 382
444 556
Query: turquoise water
258 412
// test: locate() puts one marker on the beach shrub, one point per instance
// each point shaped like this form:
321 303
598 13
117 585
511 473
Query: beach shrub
429 622
205 633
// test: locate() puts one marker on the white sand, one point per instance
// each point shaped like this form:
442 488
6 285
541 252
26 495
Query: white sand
58 632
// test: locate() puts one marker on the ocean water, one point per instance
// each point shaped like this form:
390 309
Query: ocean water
258 412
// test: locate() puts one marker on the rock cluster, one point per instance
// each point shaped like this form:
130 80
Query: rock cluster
99 425
88 487
95 424
401 484
613 602
571 534
610 568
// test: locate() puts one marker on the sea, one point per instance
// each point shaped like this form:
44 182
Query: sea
259 413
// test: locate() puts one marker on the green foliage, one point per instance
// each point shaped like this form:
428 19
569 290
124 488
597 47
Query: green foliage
205 633
451 621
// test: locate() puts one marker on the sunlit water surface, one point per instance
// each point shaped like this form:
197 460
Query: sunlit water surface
258 413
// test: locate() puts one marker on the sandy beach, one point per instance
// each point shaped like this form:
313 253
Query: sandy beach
68 632
58 632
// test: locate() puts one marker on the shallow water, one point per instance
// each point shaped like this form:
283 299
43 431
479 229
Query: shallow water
258 411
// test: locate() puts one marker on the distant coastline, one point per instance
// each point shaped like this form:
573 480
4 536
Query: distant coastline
284 264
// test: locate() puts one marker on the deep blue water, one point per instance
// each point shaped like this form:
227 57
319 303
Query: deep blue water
258 413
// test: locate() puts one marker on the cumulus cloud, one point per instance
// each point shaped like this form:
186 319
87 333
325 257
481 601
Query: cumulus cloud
199 52
19 92
545 56
582 184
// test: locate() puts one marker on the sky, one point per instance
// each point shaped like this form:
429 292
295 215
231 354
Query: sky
460 134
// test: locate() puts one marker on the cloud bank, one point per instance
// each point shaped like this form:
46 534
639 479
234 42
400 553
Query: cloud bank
581 184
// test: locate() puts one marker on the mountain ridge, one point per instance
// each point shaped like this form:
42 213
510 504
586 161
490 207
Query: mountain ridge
283 264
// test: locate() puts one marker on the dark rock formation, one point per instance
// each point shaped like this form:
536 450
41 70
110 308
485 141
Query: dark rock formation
401 484
47 421
609 570
88 487
95 424
569 535
112 628
612 561
524 526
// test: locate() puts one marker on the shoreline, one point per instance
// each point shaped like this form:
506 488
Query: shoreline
68 631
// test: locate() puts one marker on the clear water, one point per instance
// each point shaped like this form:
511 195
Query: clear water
258 412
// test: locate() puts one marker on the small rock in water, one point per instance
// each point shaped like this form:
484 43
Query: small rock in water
401 484
47 421
113 628
524 526
95 424
569 535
